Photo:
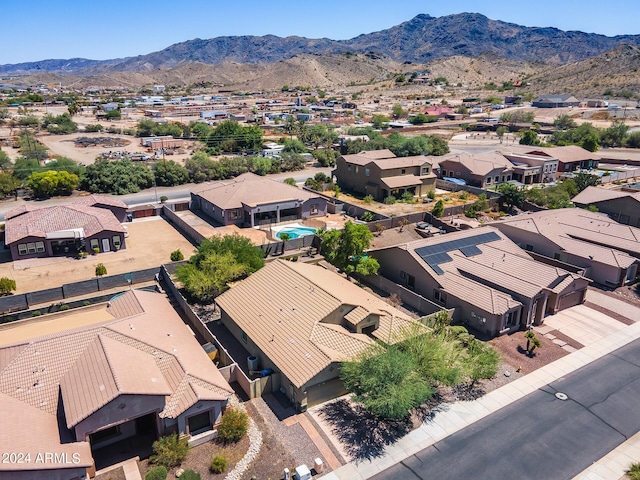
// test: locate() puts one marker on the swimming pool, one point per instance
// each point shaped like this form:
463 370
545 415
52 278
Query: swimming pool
294 231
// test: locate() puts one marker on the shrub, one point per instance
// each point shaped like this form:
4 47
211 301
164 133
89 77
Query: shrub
463 195
431 194
156 473
218 464
86 303
407 197
390 200
294 258
7 285
170 450
634 471
234 425
36 313
101 270
368 216
190 475
163 198
64 307
176 256
438 209
368 199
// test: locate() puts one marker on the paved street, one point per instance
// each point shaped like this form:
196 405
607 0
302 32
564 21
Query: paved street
541 436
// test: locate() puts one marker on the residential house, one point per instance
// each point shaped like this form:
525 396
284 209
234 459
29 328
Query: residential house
608 252
92 222
440 111
621 206
570 158
381 174
128 372
302 322
271 149
251 200
555 101
478 170
530 168
494 286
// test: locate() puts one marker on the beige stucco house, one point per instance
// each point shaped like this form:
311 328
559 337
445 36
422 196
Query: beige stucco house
607 251
96 377
381 174
492 284
302 321
621 206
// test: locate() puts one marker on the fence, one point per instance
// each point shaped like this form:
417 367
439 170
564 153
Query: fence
230 370
24 301
191 233
339 206
620 176
418 302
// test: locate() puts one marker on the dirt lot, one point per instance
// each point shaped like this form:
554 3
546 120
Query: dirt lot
149 244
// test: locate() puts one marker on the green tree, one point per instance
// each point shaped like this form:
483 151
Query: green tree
421 118
230 136
529 137
146 128
5 161
234 425
590 143
512 196
564 122
61 124
119 177
201 167
49 183
379 120
7 285
615 135
101 270
438 209
584 180
346 249
293 145
218 261
169 173
500 132
8 184
398 112
325 156
387 381
290 181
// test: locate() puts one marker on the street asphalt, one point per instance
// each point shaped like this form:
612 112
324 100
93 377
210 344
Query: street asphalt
541 436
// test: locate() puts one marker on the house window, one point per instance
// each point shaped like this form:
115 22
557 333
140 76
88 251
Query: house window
348 167
425 170
199 423
31 247
367 172
440 297
497 179
411 282
403 171
234 214
356 168
22 249
489 181
243 335
451 173
314 209
40 247
116 241
509 320
94 243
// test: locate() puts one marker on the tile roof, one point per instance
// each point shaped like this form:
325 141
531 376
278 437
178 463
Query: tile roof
489 278
594 195
583 234
107 200
478 164
401 162
251 190
566 154
400 181
26 222
295 313
151 352
365 156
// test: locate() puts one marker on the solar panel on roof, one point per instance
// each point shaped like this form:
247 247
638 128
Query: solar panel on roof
433 255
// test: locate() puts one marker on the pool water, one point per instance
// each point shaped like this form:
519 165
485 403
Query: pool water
296 232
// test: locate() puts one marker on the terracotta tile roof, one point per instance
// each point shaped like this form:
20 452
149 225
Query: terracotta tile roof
251 190
149 353
567 153
366 156
583 234
22 223
294 316
106 200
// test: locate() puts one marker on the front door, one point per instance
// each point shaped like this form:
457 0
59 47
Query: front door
105 245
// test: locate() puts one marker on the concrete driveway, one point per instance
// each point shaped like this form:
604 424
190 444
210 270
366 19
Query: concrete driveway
583 324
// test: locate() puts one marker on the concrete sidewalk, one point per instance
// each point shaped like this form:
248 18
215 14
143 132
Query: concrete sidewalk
461 414
614 465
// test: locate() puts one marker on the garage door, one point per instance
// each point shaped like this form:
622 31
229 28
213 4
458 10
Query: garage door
571 300
325 391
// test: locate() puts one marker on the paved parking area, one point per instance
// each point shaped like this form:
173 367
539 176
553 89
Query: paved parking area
583 324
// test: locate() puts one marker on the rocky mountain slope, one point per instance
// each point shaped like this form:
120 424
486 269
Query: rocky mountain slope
421 39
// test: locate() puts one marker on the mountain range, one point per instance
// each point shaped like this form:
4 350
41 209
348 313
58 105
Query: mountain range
419 40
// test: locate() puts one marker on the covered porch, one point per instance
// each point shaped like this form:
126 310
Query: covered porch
265 214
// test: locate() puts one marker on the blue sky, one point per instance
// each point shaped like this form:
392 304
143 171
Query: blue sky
102 29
